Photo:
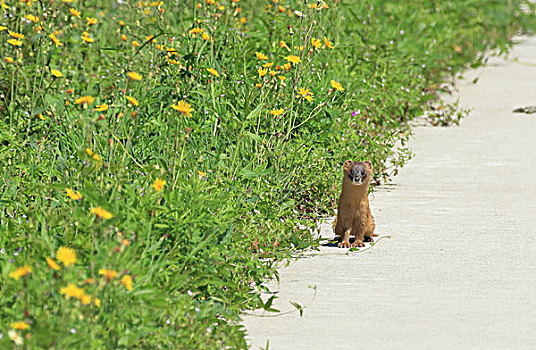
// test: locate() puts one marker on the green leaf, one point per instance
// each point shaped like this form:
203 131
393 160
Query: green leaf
298 306
252 174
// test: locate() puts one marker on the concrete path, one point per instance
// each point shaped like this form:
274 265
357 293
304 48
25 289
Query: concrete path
460 269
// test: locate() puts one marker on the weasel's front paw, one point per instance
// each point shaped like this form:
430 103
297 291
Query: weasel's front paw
358 243
345 244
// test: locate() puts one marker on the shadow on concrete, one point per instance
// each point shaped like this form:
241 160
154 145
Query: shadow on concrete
335 242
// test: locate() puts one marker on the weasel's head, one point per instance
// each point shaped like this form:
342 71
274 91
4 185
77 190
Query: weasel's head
357 173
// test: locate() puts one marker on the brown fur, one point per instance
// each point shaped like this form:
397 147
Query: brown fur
353 213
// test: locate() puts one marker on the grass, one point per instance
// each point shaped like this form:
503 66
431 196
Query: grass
162 155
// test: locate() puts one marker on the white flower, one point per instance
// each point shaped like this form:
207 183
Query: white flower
16 337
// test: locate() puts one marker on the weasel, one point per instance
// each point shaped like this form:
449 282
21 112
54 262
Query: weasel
353 211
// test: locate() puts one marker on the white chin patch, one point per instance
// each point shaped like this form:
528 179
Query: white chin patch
357 183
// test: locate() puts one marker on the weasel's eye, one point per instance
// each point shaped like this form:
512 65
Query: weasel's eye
351 172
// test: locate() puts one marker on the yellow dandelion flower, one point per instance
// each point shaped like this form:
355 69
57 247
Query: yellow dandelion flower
2 28
85 299
122 23
213 72
91 21
97 302
258 85
101 213
328 43
16 35
268 65
123 37
195 31
97 157
135 43
55 39
306 94
337 86
243 20
262 72
74 196
20 325
9 59
72 291
132 100
21 271
317 44
201 174
205 36
261 56
272 73
67 256
52 264
294 59
56 73
40 116
89 152
159 184
87 38
277 112
183 107
150 39
101 108
127 282
284 45
74 12
85 100
109 274
134 76
15 42
287 66
32 18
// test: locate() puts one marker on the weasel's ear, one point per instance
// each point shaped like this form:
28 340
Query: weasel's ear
347 164
368 163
